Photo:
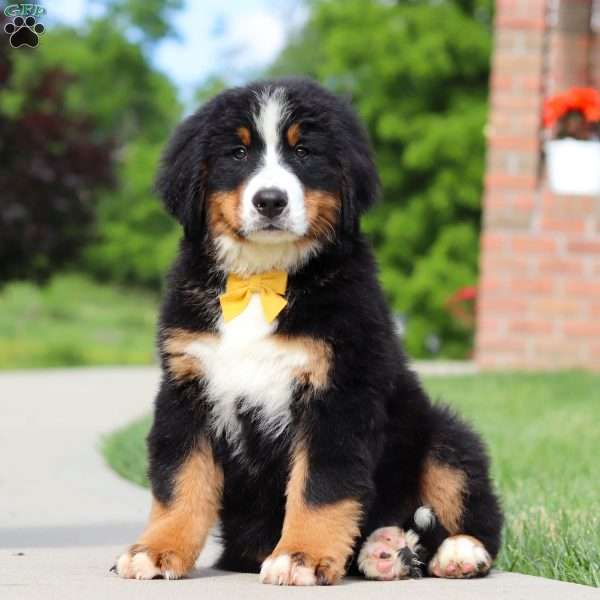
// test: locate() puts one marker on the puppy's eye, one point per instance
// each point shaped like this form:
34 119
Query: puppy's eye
240 153
301 151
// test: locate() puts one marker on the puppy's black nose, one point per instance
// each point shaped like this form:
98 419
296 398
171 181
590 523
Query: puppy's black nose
270 202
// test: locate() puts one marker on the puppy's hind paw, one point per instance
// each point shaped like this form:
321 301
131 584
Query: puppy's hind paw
460 557
390 553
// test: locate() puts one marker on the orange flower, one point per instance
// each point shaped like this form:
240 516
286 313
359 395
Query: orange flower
464 294
583 100
461 305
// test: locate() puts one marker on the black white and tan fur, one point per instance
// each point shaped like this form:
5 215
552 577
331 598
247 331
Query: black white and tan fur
308 438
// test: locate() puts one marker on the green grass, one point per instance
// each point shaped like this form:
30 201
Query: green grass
543 435
125 451
74 321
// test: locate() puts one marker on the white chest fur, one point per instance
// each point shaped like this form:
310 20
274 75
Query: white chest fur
246 364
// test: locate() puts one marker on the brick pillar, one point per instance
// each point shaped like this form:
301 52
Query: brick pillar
539 300
570 45
595 51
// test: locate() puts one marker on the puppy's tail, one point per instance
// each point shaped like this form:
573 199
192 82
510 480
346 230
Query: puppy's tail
431 532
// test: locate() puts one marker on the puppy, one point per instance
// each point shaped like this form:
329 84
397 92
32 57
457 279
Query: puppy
287 410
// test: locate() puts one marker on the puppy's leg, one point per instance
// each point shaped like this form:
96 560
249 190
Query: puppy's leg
455 484
177 531
186 484
317 538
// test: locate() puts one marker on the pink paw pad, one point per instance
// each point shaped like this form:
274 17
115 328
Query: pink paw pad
389 553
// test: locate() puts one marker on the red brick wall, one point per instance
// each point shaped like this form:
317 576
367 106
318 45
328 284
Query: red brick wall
595 50
570 45
539 301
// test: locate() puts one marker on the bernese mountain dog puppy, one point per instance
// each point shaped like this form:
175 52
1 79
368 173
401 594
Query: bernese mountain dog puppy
287 410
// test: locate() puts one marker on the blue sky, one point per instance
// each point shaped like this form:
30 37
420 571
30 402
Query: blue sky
237 37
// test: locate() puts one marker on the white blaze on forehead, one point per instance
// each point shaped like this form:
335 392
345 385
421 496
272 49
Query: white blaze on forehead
271 116
272 112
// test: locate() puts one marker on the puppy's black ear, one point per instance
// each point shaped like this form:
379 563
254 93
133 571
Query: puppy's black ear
181 180
360 182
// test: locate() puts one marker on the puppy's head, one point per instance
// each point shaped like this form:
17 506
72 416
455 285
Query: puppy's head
269 173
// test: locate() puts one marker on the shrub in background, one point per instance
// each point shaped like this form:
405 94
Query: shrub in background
136 238
51 162
418 74
115 98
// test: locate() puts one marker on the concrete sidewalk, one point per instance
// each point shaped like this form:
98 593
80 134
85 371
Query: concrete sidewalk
64 516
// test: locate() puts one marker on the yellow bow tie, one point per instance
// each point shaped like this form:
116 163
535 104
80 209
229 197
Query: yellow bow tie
270 286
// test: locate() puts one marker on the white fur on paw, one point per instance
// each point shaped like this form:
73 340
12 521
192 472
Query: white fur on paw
282 570
384 554
139 566
123 566
459 557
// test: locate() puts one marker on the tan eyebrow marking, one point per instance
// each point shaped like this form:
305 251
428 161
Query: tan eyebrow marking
244 135
293 134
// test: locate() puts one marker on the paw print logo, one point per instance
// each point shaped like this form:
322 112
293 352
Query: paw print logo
24 32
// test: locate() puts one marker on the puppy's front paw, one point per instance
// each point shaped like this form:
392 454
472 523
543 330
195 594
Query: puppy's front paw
390 553
299 568
460 557
141 562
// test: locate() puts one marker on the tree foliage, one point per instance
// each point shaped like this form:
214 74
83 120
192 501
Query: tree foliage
136 239
50 164
417 73
113 80
113 85
151 18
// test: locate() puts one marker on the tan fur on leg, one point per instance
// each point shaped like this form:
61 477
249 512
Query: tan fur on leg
177 532
443 488
316 540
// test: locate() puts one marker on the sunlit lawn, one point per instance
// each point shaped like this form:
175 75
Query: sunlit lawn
543 431
73 321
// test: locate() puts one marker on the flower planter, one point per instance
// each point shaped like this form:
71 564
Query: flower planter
573 167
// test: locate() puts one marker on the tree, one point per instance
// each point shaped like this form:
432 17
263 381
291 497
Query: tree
417 73
133 106
113 80
50 164
151 18
136 239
